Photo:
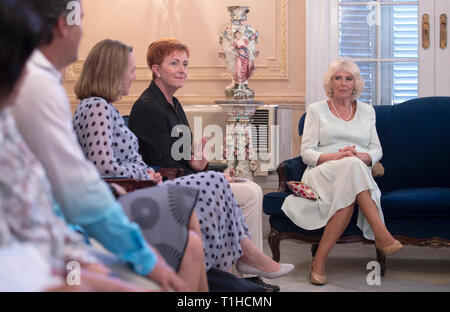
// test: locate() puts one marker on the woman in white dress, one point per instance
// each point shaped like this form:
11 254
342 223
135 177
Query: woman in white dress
340 145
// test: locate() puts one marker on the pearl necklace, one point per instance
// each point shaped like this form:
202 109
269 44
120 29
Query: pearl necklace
339 115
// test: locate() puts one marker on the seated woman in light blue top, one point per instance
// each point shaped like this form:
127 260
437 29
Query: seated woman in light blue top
35 244
43 117
340 145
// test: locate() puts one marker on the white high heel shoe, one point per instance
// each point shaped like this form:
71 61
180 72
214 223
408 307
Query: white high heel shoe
243 268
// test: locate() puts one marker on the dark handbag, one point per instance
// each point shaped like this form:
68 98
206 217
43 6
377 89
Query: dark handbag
221 281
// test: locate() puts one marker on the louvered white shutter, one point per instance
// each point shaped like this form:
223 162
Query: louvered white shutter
386 49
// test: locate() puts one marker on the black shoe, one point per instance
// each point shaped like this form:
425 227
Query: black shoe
268 287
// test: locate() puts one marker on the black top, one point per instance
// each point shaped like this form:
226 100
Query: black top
152 119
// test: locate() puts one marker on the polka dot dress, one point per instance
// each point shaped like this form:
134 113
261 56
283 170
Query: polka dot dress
107 141
221 221
114 150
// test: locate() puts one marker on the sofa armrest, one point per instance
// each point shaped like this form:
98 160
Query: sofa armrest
281 172
290 170
170 173
216 166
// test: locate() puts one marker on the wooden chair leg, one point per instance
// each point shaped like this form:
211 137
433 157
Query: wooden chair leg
381 258
314 248
274 243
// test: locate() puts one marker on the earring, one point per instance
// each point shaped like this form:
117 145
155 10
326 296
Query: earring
354 91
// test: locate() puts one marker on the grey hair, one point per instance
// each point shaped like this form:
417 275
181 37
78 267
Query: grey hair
349 66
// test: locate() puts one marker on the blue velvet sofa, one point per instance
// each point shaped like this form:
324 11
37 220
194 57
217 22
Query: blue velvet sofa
415 187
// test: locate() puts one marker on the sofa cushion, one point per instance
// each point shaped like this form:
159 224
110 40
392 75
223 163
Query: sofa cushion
272 203
416 202
415 136
302 190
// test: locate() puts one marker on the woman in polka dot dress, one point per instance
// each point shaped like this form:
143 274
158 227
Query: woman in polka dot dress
113 148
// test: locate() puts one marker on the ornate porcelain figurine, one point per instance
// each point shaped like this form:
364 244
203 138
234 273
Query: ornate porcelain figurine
238 43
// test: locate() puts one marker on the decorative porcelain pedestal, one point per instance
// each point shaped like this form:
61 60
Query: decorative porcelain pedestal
238 42
240 154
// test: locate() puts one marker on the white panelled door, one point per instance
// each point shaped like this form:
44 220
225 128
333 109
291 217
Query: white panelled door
434 61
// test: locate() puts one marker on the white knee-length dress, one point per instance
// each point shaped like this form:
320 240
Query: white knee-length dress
336 182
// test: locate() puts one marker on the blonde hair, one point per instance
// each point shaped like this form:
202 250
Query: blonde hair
349 66
103 71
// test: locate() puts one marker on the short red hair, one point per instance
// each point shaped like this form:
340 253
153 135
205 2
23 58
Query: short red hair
159 49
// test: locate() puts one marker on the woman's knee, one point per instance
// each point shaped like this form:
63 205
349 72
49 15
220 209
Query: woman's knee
354 161
250 189
195 240
246 196
194 245
257 190
350 209
194 224
347 210
363 197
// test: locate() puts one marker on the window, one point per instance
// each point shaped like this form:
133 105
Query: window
382 38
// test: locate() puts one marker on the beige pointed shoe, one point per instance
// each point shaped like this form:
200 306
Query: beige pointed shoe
316 279
390 249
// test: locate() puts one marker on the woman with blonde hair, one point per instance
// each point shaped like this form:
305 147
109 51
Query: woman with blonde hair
340 145
114 150
35 243
99 65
